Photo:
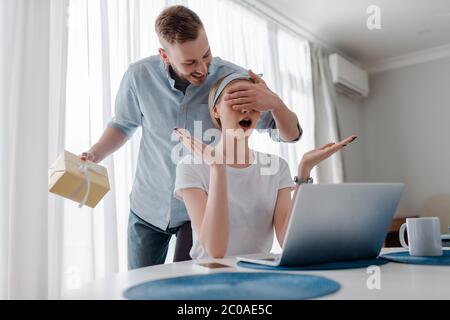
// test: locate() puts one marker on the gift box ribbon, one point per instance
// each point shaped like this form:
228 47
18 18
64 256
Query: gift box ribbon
84 168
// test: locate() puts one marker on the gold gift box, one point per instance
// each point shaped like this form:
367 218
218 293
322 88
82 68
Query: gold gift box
69 179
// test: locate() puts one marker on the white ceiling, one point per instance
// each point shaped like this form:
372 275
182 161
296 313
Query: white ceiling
406 25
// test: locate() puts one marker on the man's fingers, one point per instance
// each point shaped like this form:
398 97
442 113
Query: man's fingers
240 101
239 94
86 156
247 106
240 87
255 77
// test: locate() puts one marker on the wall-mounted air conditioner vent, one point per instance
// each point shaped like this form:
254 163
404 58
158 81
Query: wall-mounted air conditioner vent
348 78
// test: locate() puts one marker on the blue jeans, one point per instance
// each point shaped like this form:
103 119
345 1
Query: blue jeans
148 245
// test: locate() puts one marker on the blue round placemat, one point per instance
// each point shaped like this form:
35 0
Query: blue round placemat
234 286
405 257
317 267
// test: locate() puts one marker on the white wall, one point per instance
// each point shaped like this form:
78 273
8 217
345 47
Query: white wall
349 113
405 136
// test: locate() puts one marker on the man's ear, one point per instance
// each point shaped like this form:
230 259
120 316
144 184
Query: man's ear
164 56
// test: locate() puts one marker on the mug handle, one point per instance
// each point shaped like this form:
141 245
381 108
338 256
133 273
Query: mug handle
401 235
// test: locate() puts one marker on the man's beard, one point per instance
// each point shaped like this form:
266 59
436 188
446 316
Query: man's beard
188 77
174 73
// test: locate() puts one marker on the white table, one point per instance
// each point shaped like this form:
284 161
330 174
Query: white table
398 281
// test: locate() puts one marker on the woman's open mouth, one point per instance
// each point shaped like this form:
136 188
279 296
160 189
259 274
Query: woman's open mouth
245 124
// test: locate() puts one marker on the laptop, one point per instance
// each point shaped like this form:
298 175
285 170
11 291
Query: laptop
335 222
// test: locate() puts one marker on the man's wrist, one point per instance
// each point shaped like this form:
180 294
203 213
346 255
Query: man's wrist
94 153
278 105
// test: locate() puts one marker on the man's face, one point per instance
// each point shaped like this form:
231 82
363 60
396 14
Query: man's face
190 60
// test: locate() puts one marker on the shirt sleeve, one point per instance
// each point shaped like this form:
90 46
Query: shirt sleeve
286 180
267 123
188 175
230 67
128 115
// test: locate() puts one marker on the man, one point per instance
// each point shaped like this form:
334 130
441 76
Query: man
171 90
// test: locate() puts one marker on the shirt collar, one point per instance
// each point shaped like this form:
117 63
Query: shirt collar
166 71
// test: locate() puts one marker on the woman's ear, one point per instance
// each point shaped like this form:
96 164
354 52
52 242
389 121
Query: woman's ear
215 112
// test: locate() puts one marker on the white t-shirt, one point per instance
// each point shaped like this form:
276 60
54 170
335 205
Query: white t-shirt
252 194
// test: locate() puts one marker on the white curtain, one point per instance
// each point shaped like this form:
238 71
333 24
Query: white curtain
105 36
326 128
32 81
46 111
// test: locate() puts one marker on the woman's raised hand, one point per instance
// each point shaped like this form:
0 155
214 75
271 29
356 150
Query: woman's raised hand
314 157
198 149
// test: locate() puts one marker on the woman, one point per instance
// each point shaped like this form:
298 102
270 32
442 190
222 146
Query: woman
233 206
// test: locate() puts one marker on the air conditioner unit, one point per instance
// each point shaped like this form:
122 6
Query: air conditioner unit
348 78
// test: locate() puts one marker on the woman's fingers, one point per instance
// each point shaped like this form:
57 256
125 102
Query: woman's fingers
327 145
185 138
348 140
314 157
194 145
338 146
342 143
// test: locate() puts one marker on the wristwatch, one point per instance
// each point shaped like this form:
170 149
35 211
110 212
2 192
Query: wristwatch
299 181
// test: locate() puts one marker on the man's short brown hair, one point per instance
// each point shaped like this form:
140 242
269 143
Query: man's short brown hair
178 24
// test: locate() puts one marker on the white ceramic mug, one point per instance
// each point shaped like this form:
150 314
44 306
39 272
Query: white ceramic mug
424 236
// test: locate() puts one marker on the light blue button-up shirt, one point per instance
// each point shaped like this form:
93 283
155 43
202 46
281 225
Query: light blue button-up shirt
147 97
